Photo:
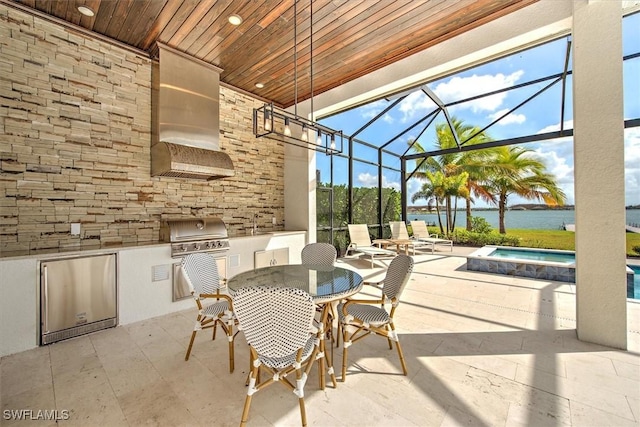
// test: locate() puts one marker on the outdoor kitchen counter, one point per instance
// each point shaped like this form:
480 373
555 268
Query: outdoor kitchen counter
70 251
99 249
243 235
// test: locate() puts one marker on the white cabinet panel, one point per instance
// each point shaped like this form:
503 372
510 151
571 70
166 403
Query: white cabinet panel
271 257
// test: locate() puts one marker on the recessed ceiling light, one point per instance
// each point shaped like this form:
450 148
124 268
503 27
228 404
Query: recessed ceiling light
85 10
259 85
235 20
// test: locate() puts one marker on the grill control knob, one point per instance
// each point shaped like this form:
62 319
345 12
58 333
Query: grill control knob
183 248
210 245
196 246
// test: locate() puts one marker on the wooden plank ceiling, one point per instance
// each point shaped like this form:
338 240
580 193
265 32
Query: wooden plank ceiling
350 37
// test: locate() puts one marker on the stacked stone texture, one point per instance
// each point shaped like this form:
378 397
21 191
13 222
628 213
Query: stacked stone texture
75 120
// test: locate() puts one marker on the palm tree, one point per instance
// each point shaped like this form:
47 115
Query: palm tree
517 171
440 188
475 163
432 192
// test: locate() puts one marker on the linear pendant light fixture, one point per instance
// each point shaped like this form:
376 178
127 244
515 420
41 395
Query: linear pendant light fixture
270 121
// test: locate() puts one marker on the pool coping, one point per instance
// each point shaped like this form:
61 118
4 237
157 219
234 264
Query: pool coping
481 260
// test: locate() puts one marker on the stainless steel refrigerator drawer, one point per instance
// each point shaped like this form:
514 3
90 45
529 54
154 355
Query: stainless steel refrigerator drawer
78 296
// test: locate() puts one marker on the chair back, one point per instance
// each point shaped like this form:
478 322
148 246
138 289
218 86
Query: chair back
420 229
398 230
276 320
201 272
319 254
397 276
359 234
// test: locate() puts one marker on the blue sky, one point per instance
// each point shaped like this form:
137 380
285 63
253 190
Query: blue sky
538 116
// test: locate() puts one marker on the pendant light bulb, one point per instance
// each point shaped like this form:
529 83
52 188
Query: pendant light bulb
319 140
287 128
333 141
267 121
305 134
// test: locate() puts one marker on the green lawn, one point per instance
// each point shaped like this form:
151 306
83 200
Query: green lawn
560 239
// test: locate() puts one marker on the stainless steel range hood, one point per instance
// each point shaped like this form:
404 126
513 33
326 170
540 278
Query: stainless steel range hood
186 119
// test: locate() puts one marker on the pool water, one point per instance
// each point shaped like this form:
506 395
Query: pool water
635 292
566 258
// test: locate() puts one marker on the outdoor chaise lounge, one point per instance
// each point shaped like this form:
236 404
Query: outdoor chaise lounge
421 234
399 232
361 242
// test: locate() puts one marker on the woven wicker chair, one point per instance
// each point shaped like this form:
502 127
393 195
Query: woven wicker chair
278 325
323 254
319 254
201 273
359 318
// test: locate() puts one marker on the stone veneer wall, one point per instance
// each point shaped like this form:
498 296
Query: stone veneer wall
75 119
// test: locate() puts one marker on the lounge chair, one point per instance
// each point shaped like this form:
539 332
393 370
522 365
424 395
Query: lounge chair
420 233
399 232
361 242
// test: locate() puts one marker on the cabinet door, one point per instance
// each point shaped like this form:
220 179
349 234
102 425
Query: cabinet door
281 256
262 259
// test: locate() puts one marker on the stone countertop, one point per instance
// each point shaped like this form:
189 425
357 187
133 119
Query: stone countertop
73 250
263 232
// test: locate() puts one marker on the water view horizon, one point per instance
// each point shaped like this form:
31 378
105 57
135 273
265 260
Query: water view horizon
520 219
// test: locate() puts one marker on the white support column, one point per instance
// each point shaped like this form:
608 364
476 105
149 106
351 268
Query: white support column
300 185
300 190
599 172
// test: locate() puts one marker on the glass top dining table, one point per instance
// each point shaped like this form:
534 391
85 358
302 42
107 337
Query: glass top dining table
324 284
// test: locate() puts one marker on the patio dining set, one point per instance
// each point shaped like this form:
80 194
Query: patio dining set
287 314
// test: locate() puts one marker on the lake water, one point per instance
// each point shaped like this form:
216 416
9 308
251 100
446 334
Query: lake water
536 220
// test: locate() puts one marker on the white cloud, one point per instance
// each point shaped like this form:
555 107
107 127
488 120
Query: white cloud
568 124
369 180
369 111
561 167
417 103
510 119
558 155
465 87
632 166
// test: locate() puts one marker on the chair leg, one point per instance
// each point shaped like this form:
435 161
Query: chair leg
303 412
231 354
193 337
245 411
400 354
345 346
402 361
252 383
389 339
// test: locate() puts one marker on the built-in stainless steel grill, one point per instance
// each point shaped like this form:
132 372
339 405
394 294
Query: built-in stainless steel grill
189 236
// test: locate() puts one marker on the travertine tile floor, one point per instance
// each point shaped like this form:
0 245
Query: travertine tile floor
482 350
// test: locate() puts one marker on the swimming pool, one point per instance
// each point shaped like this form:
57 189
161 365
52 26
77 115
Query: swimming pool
634 290
563 257
545 264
